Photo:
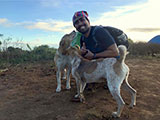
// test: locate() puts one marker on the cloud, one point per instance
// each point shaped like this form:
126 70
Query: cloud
5 22
51 25
47 25
121 15
60 3
135 19
144 29
50 3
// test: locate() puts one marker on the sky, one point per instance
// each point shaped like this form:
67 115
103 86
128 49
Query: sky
45 22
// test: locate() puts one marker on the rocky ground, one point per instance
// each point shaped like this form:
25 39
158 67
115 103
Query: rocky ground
27 92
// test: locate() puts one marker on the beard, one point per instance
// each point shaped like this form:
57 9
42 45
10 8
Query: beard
83 29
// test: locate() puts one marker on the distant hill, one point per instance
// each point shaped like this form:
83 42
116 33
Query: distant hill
155 39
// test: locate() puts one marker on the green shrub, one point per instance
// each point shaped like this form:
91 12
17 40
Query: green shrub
144 49
16 55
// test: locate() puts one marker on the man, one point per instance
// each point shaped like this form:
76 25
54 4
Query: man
103 47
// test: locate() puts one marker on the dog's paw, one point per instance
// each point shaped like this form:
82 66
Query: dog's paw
82 99
76 96
115 115
132 105
58 89
68 87
75 99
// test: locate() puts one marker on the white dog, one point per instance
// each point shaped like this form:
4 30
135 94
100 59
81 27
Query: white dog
62 60
113 70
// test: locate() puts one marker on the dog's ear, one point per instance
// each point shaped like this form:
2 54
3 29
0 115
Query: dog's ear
68 50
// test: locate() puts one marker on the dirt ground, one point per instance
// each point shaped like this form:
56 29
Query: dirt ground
27 92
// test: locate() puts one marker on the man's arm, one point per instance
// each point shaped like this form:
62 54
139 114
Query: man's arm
106 44
111 51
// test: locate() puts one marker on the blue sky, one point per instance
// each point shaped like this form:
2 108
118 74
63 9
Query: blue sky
39 22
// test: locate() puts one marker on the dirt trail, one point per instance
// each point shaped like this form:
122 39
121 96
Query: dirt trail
27 92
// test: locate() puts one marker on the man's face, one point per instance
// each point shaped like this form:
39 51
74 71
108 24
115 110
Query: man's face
82 25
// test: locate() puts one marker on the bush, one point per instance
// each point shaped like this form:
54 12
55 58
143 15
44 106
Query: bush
16 55
43 53
144 49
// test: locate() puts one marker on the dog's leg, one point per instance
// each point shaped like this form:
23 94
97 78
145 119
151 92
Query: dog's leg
68 86
132 91
82 87
64 74
77 78
58 75
115 91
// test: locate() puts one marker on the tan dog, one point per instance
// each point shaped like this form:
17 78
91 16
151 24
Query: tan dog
113 70
62 61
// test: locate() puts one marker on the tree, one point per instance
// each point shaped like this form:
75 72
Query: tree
130 40
0 41
1 36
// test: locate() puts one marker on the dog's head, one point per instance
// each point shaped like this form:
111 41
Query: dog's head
74 56
65 42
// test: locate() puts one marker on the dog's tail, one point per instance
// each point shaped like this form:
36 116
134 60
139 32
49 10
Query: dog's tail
123 52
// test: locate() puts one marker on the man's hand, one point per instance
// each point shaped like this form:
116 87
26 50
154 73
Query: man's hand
83 49
89 55
86 53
